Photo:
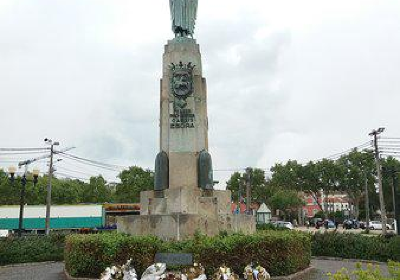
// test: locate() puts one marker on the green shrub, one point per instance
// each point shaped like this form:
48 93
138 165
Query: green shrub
269 227
31 249
356 246
370 273
281 253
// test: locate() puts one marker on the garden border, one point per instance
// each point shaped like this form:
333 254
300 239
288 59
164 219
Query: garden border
297 275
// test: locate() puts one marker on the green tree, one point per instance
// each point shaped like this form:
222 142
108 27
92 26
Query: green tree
390 178
260 188
356 167
287 201
96 191
133 181
233 185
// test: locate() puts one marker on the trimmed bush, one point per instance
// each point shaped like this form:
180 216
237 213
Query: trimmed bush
280 252
31 249
356 246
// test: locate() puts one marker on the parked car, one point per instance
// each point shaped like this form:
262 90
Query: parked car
330 223
319 223
377 225
282 224
314 221
351 224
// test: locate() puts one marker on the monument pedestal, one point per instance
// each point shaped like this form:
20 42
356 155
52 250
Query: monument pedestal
182 212
183 200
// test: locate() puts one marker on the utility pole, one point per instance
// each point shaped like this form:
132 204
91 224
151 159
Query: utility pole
239 194
366 203
375 134
248 190
48 199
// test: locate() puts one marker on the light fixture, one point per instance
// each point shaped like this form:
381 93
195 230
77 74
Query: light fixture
11 171
35 176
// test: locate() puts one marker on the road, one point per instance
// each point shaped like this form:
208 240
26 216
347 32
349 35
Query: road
54 271
341 230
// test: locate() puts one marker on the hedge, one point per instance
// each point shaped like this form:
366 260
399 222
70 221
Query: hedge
356 246
281 253
31 249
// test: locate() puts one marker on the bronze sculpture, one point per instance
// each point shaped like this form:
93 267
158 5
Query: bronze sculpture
183 16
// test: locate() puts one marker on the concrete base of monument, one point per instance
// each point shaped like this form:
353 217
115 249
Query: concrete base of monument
184 226
178 213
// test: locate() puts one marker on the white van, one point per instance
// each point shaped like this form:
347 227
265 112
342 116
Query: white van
3 233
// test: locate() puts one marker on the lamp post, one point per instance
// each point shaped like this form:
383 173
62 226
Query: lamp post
375 134
48 199
24 180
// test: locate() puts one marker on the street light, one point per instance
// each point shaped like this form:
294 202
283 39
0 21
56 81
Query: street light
24 181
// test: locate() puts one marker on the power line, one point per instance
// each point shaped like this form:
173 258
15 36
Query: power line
75 171
112 166
93 165
390 152
23 149
21 153
390 138
68 176
338 155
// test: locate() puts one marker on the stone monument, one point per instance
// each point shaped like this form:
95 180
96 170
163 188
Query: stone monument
183 200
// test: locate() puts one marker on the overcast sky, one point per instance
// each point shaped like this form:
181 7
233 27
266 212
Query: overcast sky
286 79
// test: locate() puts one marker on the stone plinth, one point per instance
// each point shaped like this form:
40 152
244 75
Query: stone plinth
184 226
182 212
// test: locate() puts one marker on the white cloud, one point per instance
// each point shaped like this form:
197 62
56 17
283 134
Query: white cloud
286 79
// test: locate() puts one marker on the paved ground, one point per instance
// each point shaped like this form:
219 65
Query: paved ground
45 271
325 266
54 271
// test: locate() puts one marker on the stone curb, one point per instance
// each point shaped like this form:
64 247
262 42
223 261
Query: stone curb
69 277
297 275
347 260
28 264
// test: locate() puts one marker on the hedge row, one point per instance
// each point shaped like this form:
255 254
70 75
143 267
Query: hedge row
281 253
31 249
356 246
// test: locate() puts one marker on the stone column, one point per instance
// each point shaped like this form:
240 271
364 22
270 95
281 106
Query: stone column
183 127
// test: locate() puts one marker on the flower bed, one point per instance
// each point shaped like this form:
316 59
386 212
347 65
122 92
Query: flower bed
281 253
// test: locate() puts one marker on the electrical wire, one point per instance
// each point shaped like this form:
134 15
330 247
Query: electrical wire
336 156
390 138
23 149
91 164
21 153
75 171
68 176
112 166
390 152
